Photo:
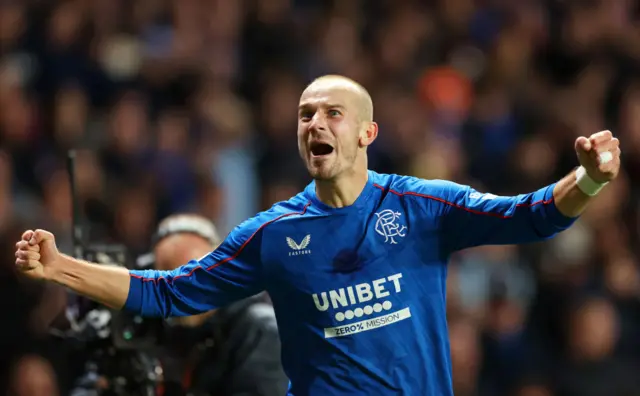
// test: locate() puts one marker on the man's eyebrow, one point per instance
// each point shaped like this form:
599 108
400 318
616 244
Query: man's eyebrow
334 106
306 106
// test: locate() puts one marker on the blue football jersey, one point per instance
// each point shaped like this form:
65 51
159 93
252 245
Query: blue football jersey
360 291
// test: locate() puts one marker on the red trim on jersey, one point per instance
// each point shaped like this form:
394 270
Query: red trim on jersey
444 201
235 255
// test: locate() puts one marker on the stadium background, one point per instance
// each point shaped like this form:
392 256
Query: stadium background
189 105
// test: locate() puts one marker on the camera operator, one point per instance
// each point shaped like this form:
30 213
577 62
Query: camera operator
230 351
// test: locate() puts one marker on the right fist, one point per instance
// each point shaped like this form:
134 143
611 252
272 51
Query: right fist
36 254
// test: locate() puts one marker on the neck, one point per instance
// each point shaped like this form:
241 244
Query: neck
343 190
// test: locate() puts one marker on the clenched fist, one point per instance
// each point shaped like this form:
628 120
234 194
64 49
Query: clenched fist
599 154
37 254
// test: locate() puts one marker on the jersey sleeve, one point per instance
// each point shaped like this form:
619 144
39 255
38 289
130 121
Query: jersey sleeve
227 274
470 218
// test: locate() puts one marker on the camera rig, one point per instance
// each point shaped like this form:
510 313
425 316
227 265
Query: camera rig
115 345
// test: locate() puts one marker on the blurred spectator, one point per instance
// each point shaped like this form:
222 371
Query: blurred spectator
234 350
33 376
590 367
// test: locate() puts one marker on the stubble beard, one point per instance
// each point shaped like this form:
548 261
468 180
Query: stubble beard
324 172
337 167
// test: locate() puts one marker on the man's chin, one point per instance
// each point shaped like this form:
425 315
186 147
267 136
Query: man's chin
322 173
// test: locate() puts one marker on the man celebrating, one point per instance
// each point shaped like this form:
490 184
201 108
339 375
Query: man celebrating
355 264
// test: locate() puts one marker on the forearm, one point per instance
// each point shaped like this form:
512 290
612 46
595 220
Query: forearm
108 285
568 197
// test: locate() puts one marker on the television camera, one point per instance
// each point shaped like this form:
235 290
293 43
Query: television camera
116 347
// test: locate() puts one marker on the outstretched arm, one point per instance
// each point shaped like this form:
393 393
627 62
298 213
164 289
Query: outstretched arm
38 257
229 273
470 218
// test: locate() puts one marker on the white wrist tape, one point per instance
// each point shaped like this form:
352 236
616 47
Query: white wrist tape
586 184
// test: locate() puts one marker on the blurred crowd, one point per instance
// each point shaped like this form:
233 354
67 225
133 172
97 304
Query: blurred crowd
190 106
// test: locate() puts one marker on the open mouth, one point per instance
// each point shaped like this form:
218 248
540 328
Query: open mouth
319 149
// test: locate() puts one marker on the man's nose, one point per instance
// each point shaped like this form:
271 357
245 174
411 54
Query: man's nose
318 123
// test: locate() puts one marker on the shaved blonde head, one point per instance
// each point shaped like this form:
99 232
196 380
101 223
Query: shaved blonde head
335 127
334 81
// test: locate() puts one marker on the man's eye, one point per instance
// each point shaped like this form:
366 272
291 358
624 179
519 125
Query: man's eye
306 116
334 113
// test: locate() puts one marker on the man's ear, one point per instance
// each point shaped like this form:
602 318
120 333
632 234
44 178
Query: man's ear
368 134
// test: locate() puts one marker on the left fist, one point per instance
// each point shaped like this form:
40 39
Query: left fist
599 154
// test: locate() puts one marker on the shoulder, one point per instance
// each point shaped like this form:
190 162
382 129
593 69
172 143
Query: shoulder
290 209
417 187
